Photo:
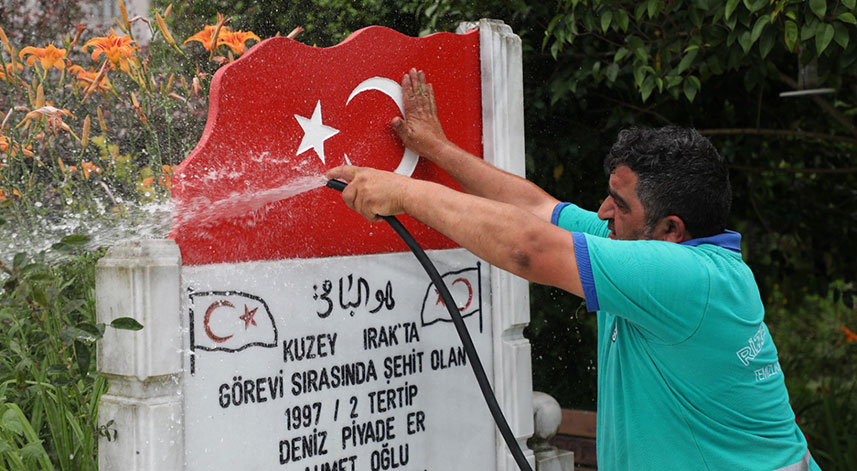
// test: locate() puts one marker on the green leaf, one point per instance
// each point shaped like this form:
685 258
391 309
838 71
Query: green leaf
635 42
553 23
639 73
652 9
687 60
126 323
34 268
822 39
2 221
819 7
730 8
40 276
759 27
606 18
841 36
70 334
746 41
673 81
691 87
714 65
638 12
847 18
620 54
95 330
647 88
849 4
32 450
75 240
83 356
38 295
612 72
695 16
809 30
755 5
766 43
12 422
19 259
622 19
791 35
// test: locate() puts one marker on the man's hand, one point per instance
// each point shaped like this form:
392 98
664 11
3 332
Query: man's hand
420 131
372 193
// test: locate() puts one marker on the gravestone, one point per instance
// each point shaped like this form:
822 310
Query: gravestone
283 331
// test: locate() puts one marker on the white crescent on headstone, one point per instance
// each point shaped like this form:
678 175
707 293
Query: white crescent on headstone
393 90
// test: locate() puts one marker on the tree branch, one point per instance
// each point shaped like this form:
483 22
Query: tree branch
824 105
778 132
639 109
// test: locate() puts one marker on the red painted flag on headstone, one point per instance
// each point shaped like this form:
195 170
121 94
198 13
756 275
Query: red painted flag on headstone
284 113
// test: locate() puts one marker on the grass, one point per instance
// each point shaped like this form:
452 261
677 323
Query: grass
49 388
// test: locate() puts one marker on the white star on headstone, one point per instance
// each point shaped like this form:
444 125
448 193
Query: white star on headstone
315 133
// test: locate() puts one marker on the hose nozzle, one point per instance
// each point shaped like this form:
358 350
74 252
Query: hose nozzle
337 185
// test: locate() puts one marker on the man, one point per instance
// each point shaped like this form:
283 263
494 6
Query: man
688 376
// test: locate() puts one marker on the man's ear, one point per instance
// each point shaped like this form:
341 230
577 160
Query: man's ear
671 229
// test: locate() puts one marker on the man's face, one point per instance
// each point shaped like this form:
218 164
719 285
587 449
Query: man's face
622 209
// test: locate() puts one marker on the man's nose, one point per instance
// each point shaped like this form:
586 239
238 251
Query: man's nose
605 212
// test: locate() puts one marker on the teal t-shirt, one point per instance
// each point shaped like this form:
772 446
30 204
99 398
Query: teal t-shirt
688 375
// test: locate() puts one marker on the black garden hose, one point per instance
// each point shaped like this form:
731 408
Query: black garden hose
463 334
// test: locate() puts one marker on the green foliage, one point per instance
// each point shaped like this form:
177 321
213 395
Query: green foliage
816 355
325 22
49 387
673 47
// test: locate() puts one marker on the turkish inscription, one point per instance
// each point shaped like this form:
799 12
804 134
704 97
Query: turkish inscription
357 380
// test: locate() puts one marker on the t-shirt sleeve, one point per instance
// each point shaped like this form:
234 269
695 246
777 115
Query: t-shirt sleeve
572 218
660 287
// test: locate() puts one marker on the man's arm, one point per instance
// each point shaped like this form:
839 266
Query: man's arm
502 234
421 132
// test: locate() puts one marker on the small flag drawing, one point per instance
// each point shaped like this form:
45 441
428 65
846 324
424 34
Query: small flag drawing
465 286
230 321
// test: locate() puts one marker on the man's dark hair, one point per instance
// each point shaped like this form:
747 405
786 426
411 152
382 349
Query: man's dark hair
680 173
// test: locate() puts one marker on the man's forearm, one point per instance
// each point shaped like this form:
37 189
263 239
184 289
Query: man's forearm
477 177
502 234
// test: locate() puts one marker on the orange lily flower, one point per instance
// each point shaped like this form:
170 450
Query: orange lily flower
11 70
235 40
12 149
14 192
850 336
87 77
118 49
204 36
165 32
78 30
166 180
53 115
48 56
89 167
147 182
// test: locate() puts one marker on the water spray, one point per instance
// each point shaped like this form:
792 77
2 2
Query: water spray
463 334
